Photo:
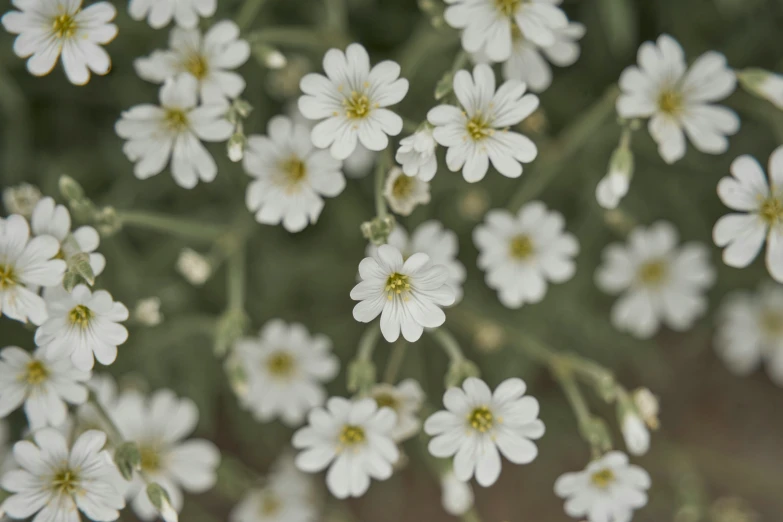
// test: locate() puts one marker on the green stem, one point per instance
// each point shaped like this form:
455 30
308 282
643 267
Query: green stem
368 341
395 361
380 180
236 274
449 344
565 377
557 155
114 434
336 18
170 225
248 13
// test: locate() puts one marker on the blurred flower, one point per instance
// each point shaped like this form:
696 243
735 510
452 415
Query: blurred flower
55 481
405 399
764 84
456 496
647 405
478 132
47 29
147 311
24 264
360 162
209 60
84 326
292 176
760 216
635 433
732 509
21 199
351 100
285 368
473 203
750 330
405 193
160 12
477 423
43 383
677 99
284 83
433 239
158 425
661 282
614 186
49 219
521 253
416 154
172 131
488 24
608 489
353 439
489 336
407 294
193 266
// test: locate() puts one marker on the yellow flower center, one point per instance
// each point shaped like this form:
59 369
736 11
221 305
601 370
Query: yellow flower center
397 284
197 66
521 247
670 102
36 372
64 26
481 419
80 316
150 457
295 170
270 505
478 128
508 7
771 211
402 186
652 273
357 106
386 400
352 435
280 364
7 277
65 482
176 119
603 478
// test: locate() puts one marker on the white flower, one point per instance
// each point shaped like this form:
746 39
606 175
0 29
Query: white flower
55 480
285 368
147 311
528 60
750 330
521 253
26 263
405 399
50 219
47 28
407 294
44 384
209 60
405 193
351 438
677 99
488 24
193 266
760 213
292 177
159 425
608 490
160 12
478 132
172 131
635 433
272 505
433 239
21 199
477 423
661 282
457 495
84 326
416 154
351 100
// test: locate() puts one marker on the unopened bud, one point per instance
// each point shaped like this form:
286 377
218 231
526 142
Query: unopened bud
647 405
361 375
269 56
21 199
70 189
236 147
763 84
489 336
377 231
79 264
147 311
614 186
128 459
161 501
194 267
242 107
459 371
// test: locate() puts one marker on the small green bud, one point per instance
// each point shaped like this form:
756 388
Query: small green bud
127 457
361 375
70 189
161 501
236 146
79 264
378 229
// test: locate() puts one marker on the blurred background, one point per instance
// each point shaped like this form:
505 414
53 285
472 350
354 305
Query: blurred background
721 437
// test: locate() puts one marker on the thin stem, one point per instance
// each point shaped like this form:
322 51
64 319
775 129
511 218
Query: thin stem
449 344
380 180
565 377
557 155
114 430
248 13
368 341
395 361
170 225
236 274
336 17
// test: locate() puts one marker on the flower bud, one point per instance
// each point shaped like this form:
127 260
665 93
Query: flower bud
459 371
614 186
160 500
194 267
236 147
21 199
763 84
377 231
147 311
457 496
361 375
70 189
269 57
127 457
647 405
